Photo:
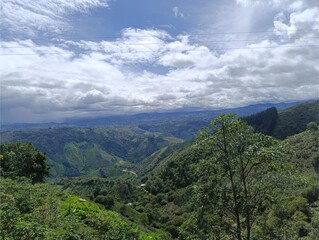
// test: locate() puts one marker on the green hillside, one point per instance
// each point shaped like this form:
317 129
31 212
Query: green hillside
231 182
286 122
106 152
306 146
174 184
295 119
44 211
158 158
263 122
170 176
89 151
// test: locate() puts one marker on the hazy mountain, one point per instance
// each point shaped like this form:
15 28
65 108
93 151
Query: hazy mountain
150 120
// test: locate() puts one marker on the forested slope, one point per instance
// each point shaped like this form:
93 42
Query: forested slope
194 190
89 151
181 181
46 211
295 119
293 214
43 211
306 147
288 122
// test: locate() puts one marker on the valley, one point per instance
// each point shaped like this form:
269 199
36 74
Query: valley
149 181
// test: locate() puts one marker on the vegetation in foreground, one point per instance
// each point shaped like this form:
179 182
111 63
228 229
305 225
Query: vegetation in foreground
31 209
231 183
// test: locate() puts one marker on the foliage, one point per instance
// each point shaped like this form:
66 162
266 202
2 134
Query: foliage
306 155
280 207
237 181
312 126
295 119
181 129
181 191
133 202
263 122
107 224
106 201
42 211
290 218
159 158
20 159
287 122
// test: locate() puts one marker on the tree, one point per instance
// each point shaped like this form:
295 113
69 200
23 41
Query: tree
236 182
20 159
263 122
312 126
106 201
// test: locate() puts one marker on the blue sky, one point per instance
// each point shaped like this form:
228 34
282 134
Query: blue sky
84 58
129 14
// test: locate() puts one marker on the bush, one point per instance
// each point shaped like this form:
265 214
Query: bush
106 201
312 126
312 194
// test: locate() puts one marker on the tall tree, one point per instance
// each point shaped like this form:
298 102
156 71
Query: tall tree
20 159
237 181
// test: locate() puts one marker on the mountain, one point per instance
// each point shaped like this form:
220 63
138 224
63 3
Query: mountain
295 119
160 157
284 123
107 151
263 122
185 125
154 182
162 194
268 122
90 151
182 124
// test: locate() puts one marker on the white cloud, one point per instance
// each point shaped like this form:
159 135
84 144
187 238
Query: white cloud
90 78
29 17
135 46
69 85
300 23
177 12
181 54
286 4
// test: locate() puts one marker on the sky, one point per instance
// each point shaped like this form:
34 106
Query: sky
88 58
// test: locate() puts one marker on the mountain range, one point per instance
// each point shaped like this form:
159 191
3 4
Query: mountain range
141 180
140 145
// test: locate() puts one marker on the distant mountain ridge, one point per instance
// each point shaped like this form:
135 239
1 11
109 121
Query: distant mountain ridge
107 151
150 118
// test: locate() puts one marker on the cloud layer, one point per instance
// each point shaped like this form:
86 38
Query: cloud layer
150 70
29 17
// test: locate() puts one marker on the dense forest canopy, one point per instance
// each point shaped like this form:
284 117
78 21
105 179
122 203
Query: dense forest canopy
21 159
